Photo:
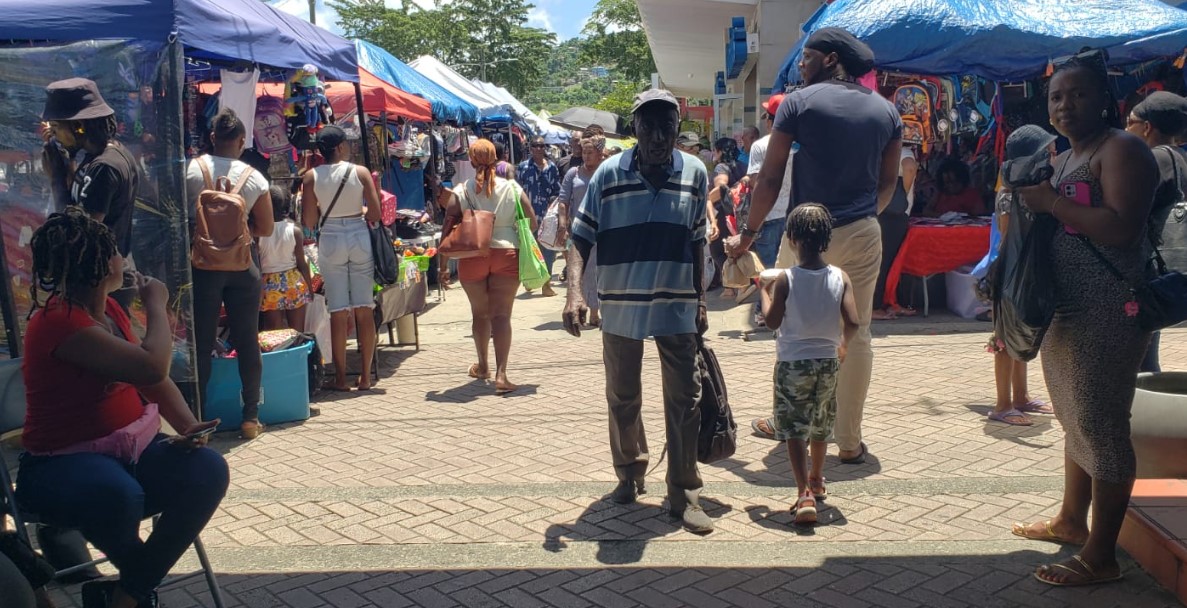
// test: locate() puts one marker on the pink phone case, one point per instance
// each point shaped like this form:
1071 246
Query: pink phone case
1079 193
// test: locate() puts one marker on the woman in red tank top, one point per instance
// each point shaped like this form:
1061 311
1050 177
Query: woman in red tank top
96 460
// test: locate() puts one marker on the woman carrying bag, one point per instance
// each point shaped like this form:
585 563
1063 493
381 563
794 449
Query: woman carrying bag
338 199
486 204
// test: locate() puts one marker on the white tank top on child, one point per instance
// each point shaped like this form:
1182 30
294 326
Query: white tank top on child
326 180
811 327
278 253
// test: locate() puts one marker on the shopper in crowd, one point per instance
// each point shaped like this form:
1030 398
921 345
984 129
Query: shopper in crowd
750 135
770 235
1104 189
689 142
646 210
727 168
541 183
490 282
106 179
809 305
288 284
848 161
1159 120
893 221
573 158
239 292
1014 402
96 460
338 199
504 169
957 193
573 190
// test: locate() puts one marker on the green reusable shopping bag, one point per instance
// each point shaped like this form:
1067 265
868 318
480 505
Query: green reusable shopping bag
533 273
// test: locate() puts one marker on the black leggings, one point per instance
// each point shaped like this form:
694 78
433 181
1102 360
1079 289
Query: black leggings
894 231
240 293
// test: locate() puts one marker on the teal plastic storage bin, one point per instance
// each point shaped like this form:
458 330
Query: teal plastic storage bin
284 393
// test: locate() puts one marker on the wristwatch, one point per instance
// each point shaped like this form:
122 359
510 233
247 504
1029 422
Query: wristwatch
748 233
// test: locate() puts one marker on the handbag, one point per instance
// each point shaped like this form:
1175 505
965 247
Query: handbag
718 435
533 272
1169 223
1161 302
550 236
383 253
467 236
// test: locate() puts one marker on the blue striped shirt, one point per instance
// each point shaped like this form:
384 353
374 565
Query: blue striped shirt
645 241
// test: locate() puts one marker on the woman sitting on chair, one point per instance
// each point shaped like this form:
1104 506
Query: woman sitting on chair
96 460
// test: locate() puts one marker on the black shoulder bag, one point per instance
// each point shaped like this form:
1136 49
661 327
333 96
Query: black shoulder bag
1169 223
1161 302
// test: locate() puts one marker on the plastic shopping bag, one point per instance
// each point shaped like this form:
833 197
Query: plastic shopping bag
550 236
317 322
1024 283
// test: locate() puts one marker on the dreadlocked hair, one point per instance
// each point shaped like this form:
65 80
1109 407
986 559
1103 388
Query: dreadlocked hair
99 130
811 226
71 252
1095 63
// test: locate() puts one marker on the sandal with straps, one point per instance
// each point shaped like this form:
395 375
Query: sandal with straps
816 484
1077 567
1047 534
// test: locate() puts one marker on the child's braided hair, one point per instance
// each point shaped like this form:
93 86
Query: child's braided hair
810 225
71 253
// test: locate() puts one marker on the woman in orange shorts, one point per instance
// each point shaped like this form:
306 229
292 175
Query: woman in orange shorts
489 282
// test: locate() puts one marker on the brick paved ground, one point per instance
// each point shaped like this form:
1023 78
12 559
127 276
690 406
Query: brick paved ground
438 493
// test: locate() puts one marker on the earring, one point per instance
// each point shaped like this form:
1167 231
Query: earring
1104 113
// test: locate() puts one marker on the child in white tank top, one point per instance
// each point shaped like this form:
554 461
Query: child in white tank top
815 314
284 270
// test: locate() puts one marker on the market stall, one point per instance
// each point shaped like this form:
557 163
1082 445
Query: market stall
140 52
978 73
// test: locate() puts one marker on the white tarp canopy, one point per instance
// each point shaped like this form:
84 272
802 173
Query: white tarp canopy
551 133
461 86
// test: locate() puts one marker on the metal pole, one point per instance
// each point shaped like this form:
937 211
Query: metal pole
358 98
313 12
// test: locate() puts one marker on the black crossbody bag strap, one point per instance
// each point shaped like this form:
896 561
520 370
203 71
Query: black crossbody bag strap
337 194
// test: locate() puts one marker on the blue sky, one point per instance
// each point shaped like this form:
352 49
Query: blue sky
565 17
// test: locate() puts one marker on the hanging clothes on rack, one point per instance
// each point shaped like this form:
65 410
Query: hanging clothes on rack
239 94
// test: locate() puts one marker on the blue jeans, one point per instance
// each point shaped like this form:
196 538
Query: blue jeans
1150 363
346 265
766 247
106 500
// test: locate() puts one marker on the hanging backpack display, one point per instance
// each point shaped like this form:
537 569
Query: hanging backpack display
222 240
269 129
914 104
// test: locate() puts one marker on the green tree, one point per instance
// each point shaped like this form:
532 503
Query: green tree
614 36
620 99
475 37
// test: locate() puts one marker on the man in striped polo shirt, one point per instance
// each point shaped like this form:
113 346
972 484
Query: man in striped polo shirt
645 210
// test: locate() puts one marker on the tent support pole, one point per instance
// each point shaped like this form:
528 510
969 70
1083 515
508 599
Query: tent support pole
358 99
384 164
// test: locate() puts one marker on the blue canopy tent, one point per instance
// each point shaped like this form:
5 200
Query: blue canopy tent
446 105
226 30
1006 40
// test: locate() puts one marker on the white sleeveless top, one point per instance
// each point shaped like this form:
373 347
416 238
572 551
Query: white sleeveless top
278 252
811 326
326 180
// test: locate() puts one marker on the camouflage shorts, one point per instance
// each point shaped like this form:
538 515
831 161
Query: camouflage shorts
805 399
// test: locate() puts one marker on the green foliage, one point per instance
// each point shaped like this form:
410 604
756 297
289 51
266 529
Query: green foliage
614 36
620 99
475 37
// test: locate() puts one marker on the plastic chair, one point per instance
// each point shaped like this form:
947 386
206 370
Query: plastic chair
12 416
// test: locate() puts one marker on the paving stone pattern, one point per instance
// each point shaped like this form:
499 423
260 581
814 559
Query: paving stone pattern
438 493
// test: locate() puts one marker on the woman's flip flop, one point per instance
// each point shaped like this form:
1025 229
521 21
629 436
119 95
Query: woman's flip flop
1011 417
1034 406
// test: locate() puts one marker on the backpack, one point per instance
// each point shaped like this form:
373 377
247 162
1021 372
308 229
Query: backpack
718 436
221 240
914 104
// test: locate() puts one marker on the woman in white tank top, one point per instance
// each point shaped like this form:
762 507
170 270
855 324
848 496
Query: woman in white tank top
344 247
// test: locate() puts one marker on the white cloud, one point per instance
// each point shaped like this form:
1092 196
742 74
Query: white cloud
327 17
539 17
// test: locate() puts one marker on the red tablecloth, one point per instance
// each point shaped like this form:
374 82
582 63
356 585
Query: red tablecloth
929 250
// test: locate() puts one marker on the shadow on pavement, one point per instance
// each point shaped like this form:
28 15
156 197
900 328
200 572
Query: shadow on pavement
960 580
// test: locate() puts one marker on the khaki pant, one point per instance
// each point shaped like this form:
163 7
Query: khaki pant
857 249
623 358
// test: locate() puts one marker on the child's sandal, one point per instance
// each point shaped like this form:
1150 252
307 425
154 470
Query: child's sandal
816 484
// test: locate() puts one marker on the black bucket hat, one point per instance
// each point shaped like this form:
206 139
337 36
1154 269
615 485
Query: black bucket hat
74 99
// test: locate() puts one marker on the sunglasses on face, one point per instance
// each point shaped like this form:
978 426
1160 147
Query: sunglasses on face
539 146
